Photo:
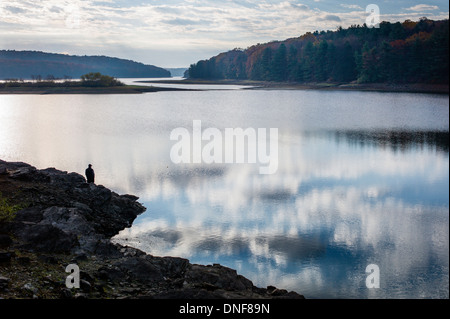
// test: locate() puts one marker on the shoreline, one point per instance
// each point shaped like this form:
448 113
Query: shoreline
247 84
62 221
126 89
264 85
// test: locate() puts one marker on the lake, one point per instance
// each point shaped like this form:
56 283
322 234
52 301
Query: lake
362 179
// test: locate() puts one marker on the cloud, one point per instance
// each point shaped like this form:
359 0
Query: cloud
423 7
180 21
330 17
15 10
301 7
285 5
352 6
101 27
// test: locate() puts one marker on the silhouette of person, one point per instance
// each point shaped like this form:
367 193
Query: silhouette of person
90 175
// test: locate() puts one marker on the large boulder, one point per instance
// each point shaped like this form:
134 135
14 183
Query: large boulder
62 204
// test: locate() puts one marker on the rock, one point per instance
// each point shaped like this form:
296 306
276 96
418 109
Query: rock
131 197
109 273
66 216
29 215
46 238
218 276
279 292
30 288
140 268
86 276
62 179
4 282
80 295
79 258
175 267
48 259
5 241
23 260
85 285
270 289
65 293
24 173
5 257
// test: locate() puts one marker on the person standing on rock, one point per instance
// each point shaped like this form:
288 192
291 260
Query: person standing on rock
90 175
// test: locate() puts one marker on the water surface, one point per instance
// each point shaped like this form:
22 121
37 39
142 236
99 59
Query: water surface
362 179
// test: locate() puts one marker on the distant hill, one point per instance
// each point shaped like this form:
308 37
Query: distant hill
408 52
31 64
176 72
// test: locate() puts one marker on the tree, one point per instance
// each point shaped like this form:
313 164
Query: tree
386 62
98 79
205 69
279 64
292 63
369 71
307 68
262 68
321 64
345 67
408 52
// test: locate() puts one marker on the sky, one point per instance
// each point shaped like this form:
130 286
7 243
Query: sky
177 33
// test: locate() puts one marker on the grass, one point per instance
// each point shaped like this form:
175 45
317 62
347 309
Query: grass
8 210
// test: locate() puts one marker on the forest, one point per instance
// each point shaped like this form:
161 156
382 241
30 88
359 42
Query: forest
48 66
408 52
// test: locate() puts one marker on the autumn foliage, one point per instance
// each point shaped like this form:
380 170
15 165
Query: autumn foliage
408 52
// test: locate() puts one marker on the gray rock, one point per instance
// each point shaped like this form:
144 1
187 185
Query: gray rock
4 282
66 214
5 257
46 238
217 276
65 293
5 241
29 215
85 285
141 268
30 288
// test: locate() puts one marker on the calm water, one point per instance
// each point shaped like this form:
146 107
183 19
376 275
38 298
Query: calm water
362 179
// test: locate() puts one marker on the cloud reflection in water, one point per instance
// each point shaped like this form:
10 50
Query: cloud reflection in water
338 202
362 178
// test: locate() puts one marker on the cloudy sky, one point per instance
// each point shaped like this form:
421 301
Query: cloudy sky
176 33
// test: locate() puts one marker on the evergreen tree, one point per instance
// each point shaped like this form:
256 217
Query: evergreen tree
321 64
307 68
408 52
279 64
292 64
345 66
369 70
262 68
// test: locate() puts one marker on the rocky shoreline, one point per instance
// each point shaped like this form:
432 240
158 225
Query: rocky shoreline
63 220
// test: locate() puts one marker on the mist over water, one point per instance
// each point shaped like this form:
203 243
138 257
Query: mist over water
362 179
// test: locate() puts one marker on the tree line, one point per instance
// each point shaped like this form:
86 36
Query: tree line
408 52
92 79
24 64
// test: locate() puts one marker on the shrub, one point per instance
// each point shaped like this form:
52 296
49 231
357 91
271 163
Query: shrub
99 80
7 210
